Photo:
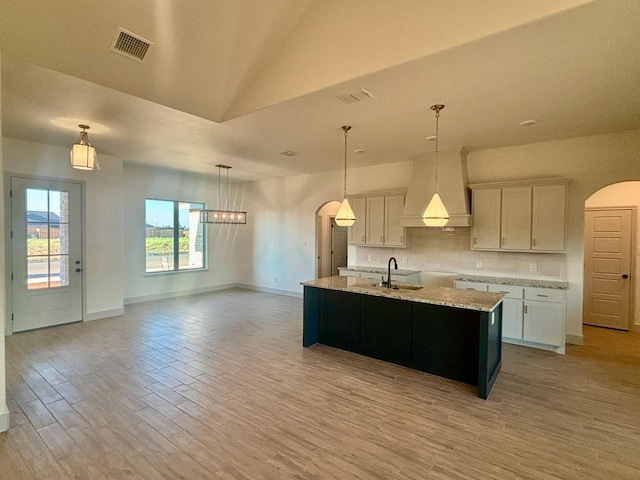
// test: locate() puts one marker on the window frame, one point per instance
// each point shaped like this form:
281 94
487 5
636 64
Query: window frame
176 239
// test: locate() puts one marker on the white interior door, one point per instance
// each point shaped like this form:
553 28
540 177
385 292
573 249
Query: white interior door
46 249
607 268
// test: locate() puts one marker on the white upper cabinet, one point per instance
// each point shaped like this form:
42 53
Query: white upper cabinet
516 219
486 214
548 224
375 221
379 215
358 231
520 216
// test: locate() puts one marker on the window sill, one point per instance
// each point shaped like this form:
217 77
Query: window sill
171 272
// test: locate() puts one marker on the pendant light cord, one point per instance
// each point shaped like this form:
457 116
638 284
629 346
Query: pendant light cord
346 129
437 109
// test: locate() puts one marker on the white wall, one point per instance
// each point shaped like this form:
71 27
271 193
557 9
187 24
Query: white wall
4 412
103 215
625 194
286 209
284 212
227 244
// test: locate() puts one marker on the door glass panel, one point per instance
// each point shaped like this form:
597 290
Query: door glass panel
58 206
38 272
47 238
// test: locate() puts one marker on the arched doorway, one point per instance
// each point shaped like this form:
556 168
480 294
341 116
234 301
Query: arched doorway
331 241
611 267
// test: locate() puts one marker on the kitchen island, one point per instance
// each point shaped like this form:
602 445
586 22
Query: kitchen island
444 331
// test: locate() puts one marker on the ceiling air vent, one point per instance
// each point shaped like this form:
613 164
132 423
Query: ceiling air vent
130 45
361 94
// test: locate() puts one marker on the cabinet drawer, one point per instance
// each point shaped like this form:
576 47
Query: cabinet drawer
480 287
511 291
545 294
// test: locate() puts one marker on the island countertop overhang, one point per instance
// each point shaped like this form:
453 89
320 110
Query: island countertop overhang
444 296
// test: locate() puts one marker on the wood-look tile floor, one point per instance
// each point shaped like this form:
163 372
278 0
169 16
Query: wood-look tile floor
218 386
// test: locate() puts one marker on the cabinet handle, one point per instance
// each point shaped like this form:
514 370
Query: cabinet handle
502 291
381 238
362 238
401 238
475 240
502 242
525 309
534 242
539 295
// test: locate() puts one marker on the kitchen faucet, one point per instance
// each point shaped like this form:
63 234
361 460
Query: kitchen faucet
389 270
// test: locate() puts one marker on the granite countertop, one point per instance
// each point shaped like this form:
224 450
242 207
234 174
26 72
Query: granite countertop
449 297
519 282
379 270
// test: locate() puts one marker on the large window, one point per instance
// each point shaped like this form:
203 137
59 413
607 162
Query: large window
175 238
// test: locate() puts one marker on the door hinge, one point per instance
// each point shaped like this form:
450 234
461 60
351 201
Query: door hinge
12 317
11 193
11 275
11 233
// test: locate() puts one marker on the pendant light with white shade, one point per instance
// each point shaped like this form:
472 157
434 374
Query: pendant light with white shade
83 155
345 216
436 214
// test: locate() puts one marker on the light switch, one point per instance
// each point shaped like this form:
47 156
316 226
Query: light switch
478 263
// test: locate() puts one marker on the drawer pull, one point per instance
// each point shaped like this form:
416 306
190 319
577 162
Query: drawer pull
502 291
525 309
539 295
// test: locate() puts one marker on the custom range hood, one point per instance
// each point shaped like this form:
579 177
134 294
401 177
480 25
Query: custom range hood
452 188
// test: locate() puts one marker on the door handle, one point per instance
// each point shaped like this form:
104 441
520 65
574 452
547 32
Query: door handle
625 275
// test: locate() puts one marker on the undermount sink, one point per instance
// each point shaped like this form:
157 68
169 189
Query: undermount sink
400 287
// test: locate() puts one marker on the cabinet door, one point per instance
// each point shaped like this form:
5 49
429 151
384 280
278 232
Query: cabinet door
386 329
512 310
544 322
549 218
486 219
393 232
357 232
375 221
340 320
516 218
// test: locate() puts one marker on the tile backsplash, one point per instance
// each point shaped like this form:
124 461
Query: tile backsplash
434 250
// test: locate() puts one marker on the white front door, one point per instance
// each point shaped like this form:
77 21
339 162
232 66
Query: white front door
607 267
46 249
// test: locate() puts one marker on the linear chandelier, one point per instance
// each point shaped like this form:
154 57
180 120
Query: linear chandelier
223 215
83 155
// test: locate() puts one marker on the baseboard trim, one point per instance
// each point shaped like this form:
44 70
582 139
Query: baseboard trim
180 293
4 420
574 339
116 312
275 291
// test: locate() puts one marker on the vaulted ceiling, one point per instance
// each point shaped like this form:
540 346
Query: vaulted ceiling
239 82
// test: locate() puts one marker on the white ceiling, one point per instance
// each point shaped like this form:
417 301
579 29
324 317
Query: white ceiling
238 82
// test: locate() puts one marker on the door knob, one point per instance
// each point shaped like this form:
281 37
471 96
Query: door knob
625 275
78 269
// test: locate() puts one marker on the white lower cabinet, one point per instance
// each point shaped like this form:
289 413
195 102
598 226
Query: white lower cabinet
531 316
544 316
